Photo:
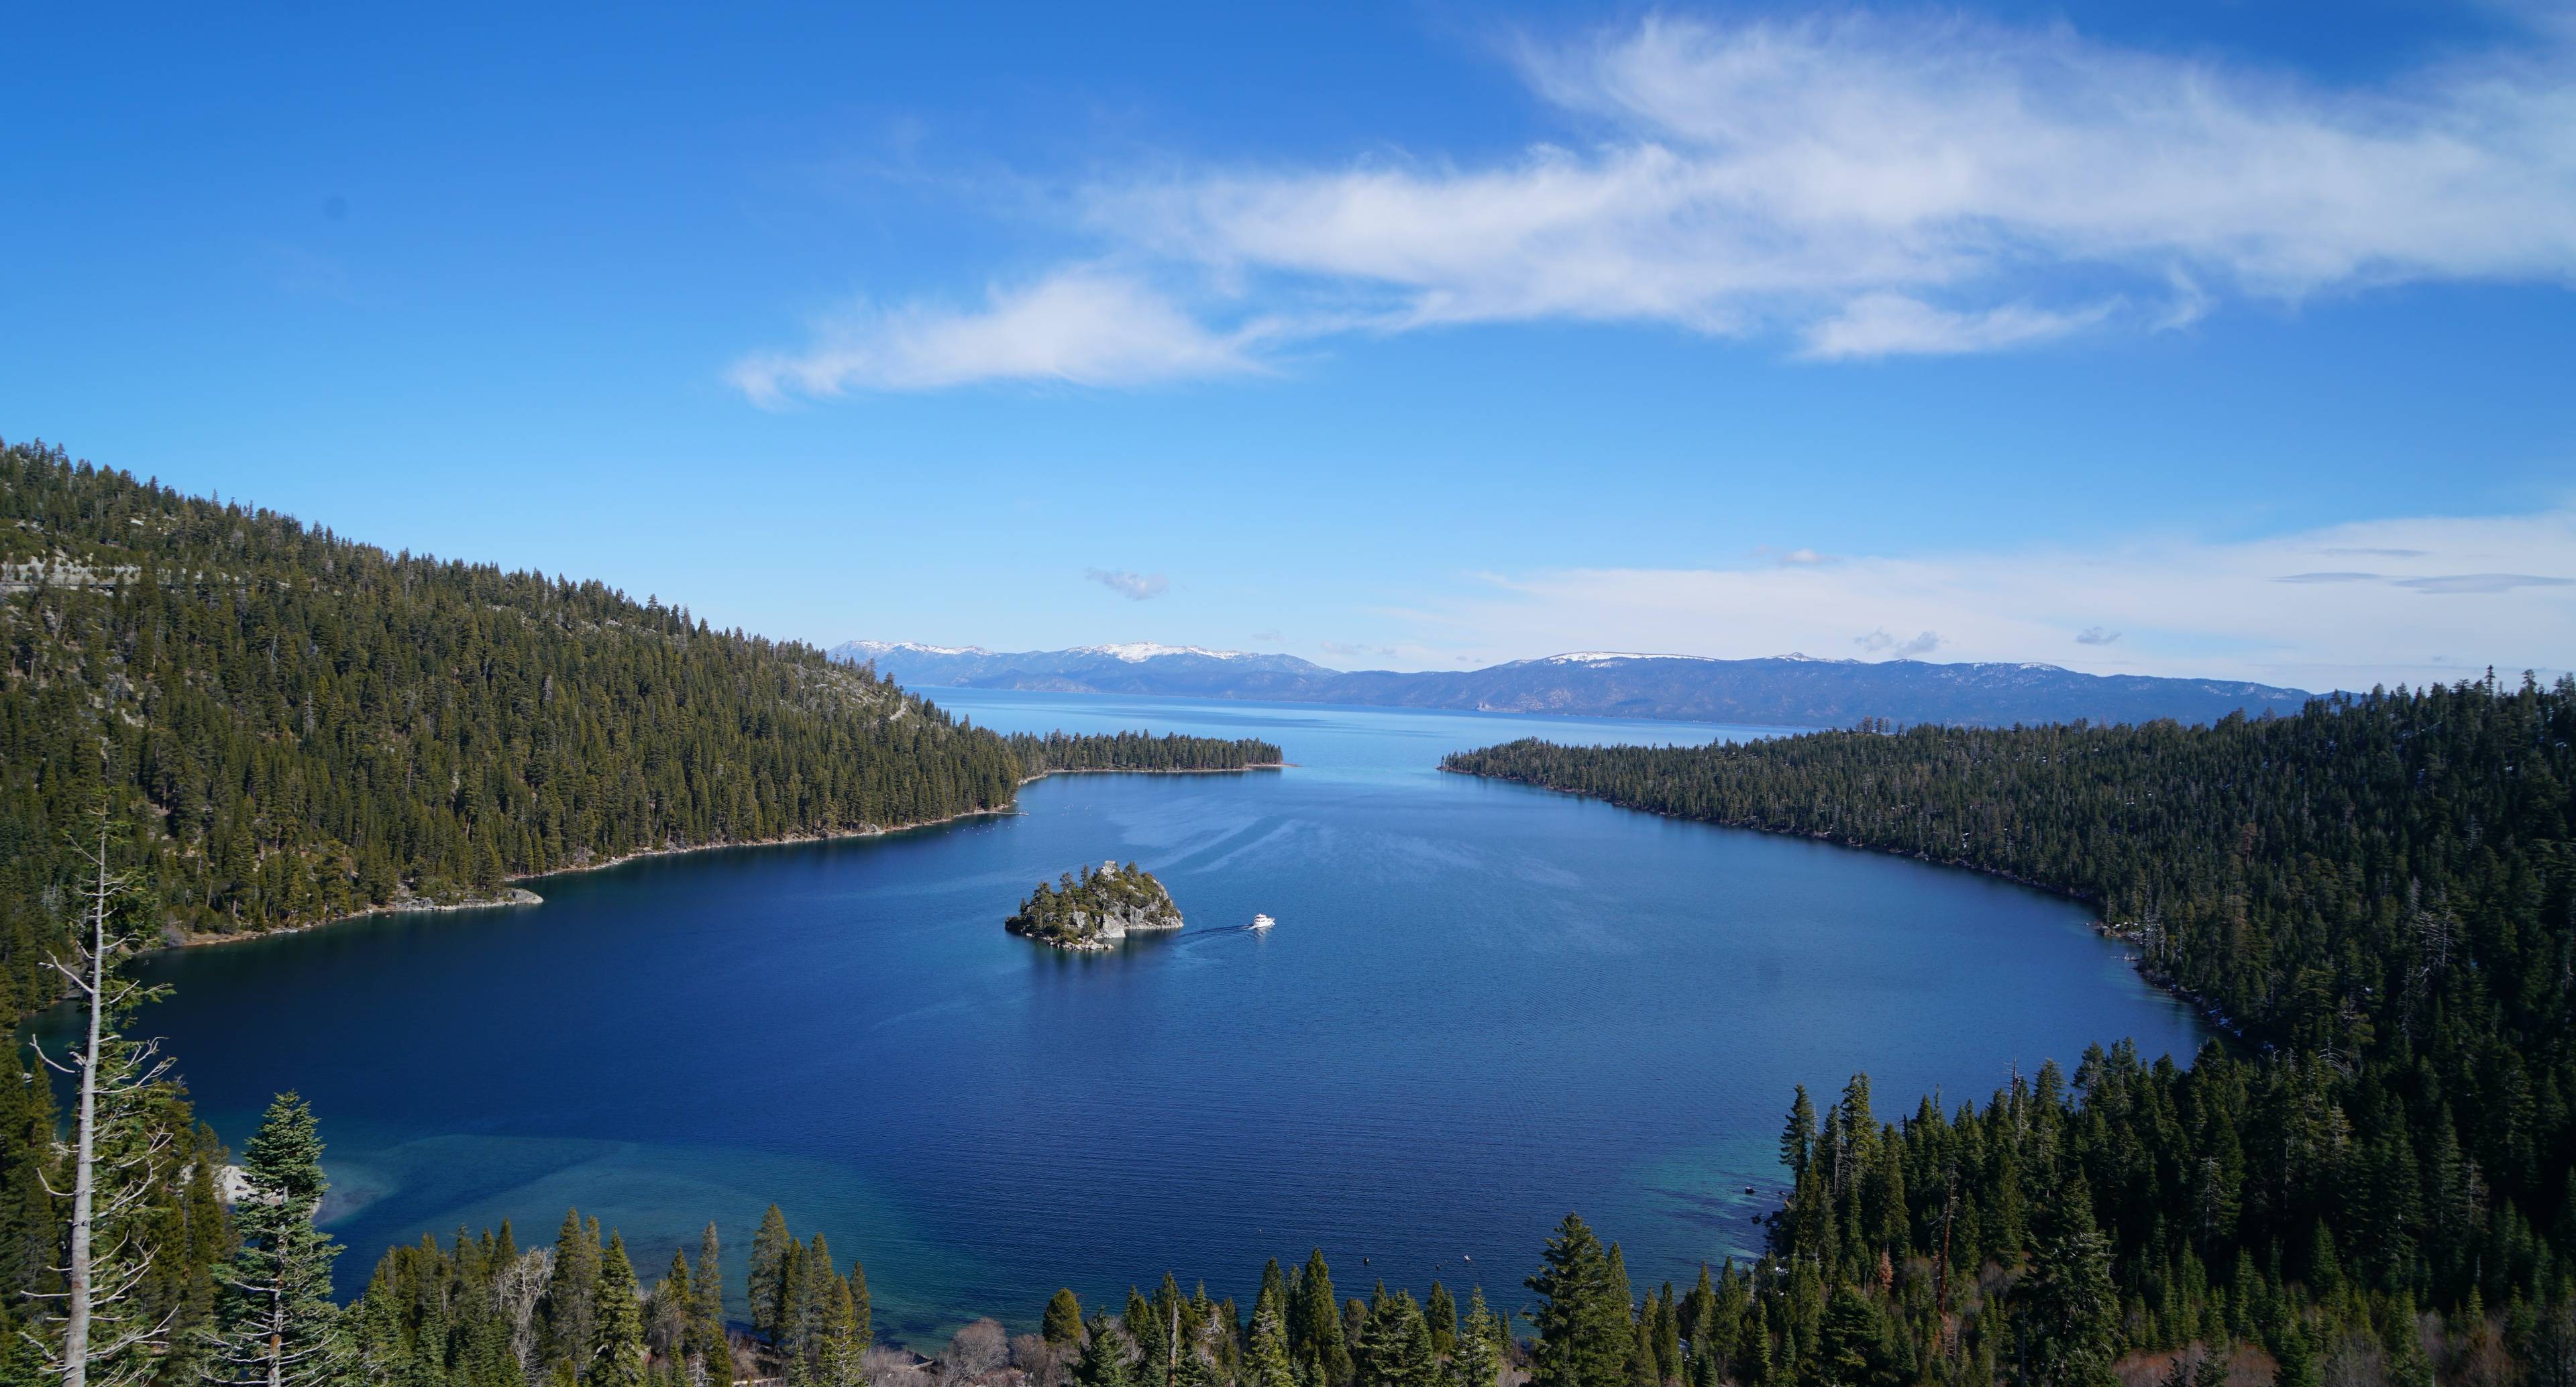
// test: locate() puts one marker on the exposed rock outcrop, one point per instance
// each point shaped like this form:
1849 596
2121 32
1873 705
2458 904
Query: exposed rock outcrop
1096 909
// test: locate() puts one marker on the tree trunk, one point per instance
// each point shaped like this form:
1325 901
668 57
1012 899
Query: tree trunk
77 1287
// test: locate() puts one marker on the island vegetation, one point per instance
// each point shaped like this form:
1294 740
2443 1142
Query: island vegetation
1060 752
1095 908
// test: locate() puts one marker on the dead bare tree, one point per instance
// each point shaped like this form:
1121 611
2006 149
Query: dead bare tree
973 1351
100 1334
515 1292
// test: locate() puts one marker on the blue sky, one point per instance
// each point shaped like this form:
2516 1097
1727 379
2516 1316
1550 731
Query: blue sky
2230 339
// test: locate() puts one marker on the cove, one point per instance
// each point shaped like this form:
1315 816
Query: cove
1483 1005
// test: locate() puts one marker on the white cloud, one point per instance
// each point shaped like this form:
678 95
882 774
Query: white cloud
1859 184
1878 642
1135 587
1080 326
2461 583
1895 325
2479 589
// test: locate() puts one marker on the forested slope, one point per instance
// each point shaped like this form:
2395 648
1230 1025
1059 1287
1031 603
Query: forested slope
311 726
2379 894
1138 751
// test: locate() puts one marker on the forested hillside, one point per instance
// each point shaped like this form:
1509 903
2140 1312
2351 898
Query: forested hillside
2378 894
1138 751
305 726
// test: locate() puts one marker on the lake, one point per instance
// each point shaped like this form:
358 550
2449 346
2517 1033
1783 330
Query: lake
1483 1005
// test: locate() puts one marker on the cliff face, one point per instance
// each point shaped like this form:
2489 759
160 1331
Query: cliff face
1096 909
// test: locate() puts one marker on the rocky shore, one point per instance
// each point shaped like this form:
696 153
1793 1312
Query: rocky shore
1095 910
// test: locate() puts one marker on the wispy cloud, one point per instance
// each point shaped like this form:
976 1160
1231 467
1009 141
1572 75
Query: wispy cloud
1896 325
2466 583
1878 642
1078 326
1135 587
1859 184
2480 590
2436 583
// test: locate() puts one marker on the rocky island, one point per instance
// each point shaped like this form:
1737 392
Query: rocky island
1096 909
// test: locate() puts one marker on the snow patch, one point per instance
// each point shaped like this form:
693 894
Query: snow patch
916 647
1137 652
1586 657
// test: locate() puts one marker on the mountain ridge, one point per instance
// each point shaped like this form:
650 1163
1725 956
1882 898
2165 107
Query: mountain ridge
1793 690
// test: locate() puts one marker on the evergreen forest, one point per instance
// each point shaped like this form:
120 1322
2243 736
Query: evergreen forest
2374 901
1137 751
216 720
305 727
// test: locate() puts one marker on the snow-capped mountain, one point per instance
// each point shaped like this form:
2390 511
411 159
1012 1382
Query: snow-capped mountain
1133 667
1785 690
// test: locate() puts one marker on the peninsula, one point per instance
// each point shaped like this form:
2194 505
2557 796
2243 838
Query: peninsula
1099 908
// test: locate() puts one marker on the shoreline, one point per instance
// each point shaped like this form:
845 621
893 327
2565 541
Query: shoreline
2218 1021
1161 770
515 894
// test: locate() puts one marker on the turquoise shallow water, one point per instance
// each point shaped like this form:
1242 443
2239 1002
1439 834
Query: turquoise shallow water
1483 1005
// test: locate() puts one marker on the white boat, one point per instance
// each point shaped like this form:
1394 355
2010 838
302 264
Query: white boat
1262 922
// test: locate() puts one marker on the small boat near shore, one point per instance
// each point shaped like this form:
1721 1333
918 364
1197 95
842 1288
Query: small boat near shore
1261 922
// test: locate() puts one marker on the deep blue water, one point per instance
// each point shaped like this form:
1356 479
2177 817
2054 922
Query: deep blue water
1483 1005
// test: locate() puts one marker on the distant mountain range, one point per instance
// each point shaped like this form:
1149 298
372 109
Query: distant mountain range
1787 690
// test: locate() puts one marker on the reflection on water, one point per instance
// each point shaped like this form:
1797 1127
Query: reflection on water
1482 1006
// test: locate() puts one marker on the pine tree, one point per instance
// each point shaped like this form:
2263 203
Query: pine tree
770 1249
670 1311
1584 1338
1395 1345
617 1338
276 1324
707 1307
1265 1360
809 1298
2296 1355
1798 1135
1641 1353
1851 1350
1442 1314
1105 1360
29 1213
1667 1327
2070 1310
1315 1333
862 1311
571 1299
1752 1354
1063 1323
839 1354
1479 1359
